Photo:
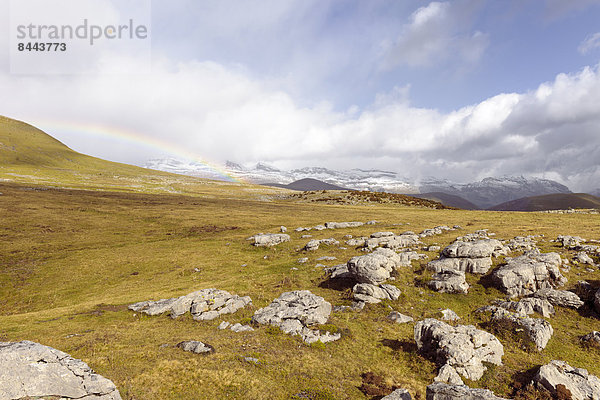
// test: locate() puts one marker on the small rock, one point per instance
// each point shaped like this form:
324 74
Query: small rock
443 391
224 325
195 346
592 338
399 318
241 328
327 258
449 315
269 239
282 229
303 260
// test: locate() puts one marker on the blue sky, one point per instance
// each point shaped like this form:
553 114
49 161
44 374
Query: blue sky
458 89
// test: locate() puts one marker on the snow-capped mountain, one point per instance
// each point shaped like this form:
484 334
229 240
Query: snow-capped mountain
360 179
491 191
485 193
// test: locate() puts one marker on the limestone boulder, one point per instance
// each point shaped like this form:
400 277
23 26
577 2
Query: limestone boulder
31 370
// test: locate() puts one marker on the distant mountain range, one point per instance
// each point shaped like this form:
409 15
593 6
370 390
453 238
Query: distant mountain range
559 201
483 194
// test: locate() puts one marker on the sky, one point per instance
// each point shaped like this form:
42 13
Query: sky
457 90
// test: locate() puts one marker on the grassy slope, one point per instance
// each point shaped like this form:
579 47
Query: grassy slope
71 260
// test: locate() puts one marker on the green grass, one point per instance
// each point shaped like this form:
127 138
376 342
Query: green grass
70 262
81 238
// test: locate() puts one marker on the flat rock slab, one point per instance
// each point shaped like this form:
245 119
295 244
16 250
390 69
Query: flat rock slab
449 281
561 298
463 348
375 293
269 239
578 381
32 370
399 318
295 312
398 394
205 304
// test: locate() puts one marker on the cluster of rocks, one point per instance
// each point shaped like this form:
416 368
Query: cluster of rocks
295 313
386 239
269 239
578 244
459 350
31 370
526 274
578 381
205 304
235 327
372 270
523 243
314 244
335 225
438 230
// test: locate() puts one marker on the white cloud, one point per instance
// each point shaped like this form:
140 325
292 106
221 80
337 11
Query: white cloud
223 113
437 33
589 43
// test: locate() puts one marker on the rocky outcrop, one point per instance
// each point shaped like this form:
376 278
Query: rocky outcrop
194 346
562 298
526 274
375 293
449 281
295 313
583 258
442 391
269 239
468 256
528 306
570 241
32 370
538 330
578 381
205 304
438 230
522 243
463 348
376 267
402 241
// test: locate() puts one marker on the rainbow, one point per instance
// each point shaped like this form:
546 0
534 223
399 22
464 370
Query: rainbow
114 132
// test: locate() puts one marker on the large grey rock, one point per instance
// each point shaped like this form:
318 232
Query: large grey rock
269 239
474 249
32 370
295 312
583 258
538 330
375 293
443 391
398 394
449 281
561 298
528 306
474 256
205 304
463 347
374 268
578 381
526 274
195 346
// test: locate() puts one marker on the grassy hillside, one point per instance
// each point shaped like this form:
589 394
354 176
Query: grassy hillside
559 201
449 200
72 260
